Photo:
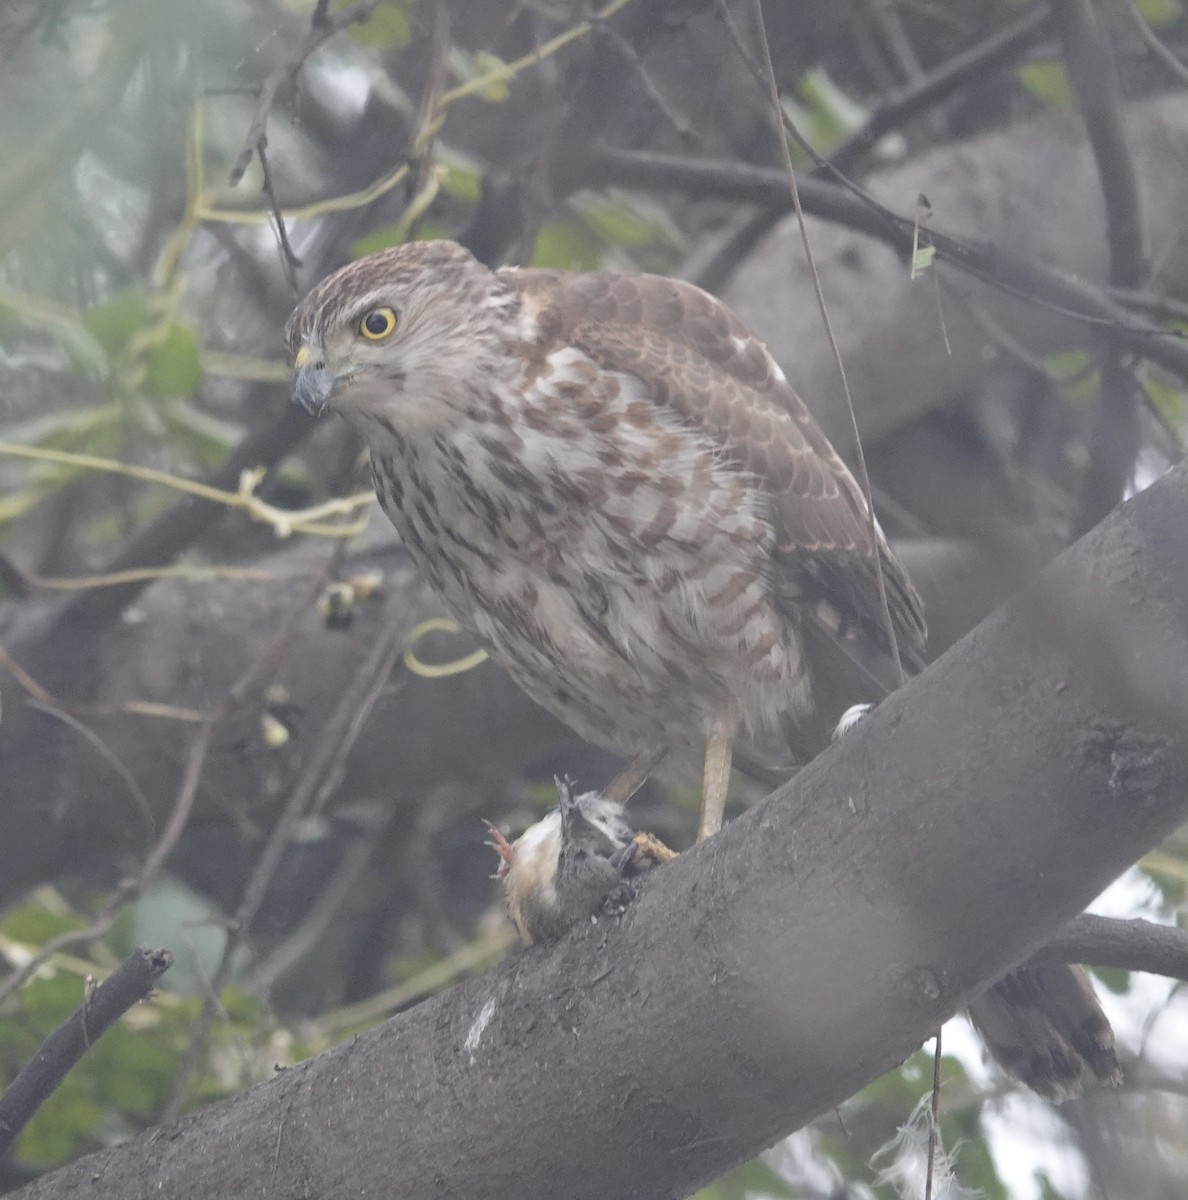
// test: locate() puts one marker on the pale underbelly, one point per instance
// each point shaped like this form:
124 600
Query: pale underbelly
640 668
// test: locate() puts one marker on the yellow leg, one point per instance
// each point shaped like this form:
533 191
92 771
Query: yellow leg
715 779
651 851
633 776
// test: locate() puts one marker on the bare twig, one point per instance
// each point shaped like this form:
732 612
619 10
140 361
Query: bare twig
309 795
322 27
933 1116
679 122
781 119
1152 304
134 886
936 86
105 752
848 205
429 117
172 533
1093 74
1129 945
289 260
1156 45
886 19
129 983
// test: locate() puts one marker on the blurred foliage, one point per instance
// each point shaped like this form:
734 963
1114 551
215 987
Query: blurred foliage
1048 81
751 1180
124 1080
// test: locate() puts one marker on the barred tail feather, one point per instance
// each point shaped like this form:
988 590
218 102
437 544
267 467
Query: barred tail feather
1044 1026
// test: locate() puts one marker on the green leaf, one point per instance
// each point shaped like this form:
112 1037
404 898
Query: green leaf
563 246
463 183
1160 12
388 28
922 258
114 323
833 113
35 926
174 367
1077 378
1167 399
486 63
377 239
618 225
1047 81
1114 978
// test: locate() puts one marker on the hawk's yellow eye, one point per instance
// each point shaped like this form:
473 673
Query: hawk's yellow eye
377 324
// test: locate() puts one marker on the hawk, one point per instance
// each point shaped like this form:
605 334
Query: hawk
609 480
611 483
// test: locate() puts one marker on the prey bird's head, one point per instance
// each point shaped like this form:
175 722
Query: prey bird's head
403 328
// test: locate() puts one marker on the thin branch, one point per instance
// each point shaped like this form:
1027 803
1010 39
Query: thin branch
289 260
322 27
129 983
847 205
1156 45
711 268
134 886
309 795
1129 945
1152 304
184 522
936 86
105 752
886 19
676 119
772 88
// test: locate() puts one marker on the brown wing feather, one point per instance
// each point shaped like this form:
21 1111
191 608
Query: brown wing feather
695 357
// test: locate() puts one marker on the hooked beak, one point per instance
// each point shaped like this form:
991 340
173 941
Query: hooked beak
313 384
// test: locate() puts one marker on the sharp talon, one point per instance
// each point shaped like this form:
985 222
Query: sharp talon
615 903
502 847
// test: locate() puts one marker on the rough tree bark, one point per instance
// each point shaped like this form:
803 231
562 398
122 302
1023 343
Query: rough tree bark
766 975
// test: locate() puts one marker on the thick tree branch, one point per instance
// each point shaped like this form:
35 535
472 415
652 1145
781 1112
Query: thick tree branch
129 983
768 973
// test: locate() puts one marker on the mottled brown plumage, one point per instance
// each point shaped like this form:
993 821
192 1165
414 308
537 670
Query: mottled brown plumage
610 481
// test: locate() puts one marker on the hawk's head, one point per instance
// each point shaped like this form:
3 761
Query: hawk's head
408 324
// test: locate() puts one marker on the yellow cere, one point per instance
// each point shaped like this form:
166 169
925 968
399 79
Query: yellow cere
304 357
